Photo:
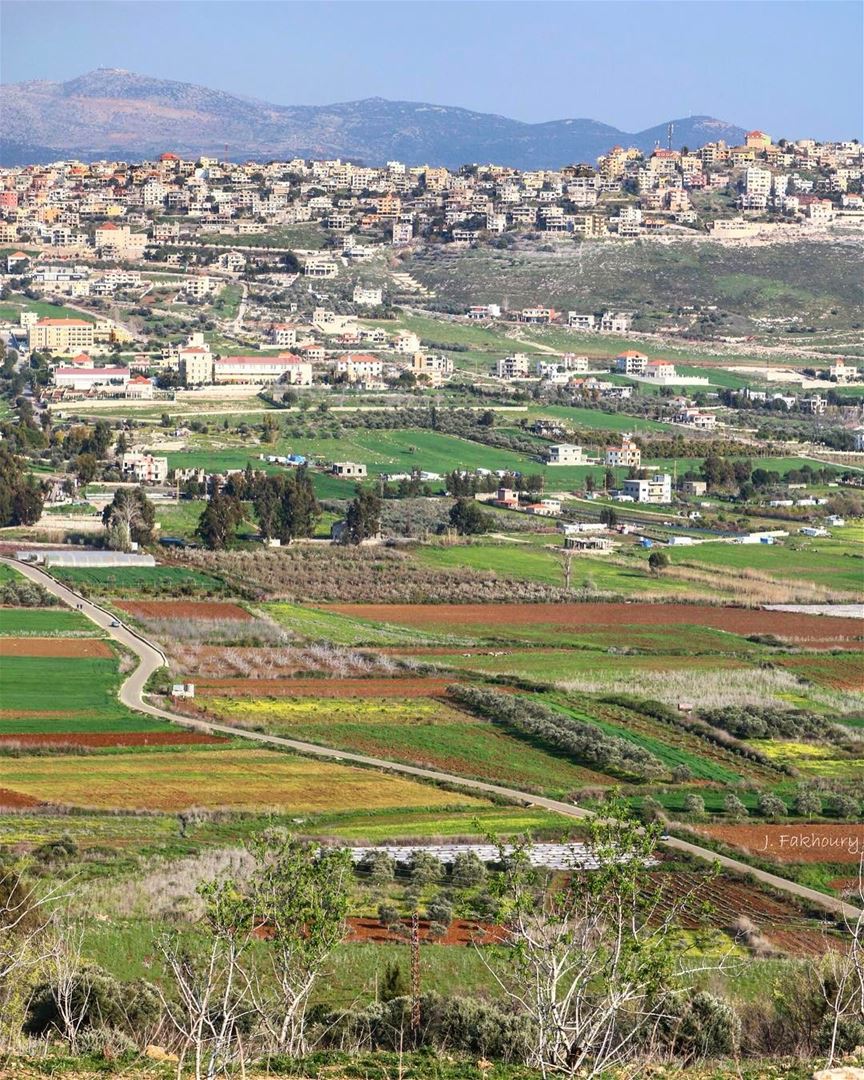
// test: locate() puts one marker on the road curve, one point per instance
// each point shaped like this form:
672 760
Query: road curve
151 658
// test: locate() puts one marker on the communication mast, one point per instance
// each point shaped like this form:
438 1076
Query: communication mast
670 129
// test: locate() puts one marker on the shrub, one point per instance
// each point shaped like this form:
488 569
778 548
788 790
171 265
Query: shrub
808 804
708 1028
101 1000
694 805
468 870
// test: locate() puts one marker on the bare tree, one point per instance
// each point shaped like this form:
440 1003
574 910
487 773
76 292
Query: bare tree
212 996
841 977
591 962
70 978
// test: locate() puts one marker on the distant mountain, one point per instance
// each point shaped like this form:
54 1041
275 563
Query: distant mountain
115 113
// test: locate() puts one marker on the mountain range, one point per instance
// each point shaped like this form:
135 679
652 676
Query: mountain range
111 113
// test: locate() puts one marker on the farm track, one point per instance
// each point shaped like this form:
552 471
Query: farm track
151 659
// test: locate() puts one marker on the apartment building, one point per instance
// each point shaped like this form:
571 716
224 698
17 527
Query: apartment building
656 489
433 369
627 455
512 367
565 454
367 296
631 363
144 468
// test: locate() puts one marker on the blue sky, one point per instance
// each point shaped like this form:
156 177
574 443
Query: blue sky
791 68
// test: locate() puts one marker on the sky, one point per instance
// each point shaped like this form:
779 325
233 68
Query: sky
793 69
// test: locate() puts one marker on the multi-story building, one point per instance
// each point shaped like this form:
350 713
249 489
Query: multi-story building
144 468
62 335
631 363
286 368
565 454
627 456
359 367
433 369
512 367
656 489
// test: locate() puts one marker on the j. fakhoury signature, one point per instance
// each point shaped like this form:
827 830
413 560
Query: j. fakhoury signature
812 841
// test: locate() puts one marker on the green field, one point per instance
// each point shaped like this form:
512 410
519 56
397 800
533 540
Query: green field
835 564
11 309
82 690
45 622
524 561
122 581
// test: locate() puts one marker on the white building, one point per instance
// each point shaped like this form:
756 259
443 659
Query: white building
367 296
565 454
657 489
286 368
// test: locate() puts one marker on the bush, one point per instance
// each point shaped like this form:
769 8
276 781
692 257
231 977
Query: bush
734 807
772 806
103 1001
425 868
694 805
707 1028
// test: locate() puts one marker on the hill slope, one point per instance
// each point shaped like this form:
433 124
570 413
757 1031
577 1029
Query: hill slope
116 112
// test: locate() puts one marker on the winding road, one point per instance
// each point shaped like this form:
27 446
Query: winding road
151 658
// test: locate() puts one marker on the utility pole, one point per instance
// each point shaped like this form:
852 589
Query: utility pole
415 976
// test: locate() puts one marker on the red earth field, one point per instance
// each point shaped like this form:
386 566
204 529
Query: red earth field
794 843
108 738
816 631
184 609
63 647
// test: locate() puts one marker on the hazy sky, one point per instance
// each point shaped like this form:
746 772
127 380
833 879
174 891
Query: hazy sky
792 68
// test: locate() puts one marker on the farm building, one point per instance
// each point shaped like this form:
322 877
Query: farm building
87 558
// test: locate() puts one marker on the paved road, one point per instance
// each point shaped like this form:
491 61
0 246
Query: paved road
151 658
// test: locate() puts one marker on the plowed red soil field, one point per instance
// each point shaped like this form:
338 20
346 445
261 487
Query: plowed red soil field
107 738
322 688
184 609
65 647
816 631
794 843
459 932
15 800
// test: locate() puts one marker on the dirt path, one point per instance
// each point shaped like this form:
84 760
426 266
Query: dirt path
151 659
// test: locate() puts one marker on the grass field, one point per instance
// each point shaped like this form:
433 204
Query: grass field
44 622
836 564
125 581
83 690
417 731
524 561
231 779
12 308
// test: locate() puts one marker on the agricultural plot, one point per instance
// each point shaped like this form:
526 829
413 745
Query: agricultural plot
170 780
417 731
835 564
66 695
519 560
551 623
209 610
41 622
791 843
126 581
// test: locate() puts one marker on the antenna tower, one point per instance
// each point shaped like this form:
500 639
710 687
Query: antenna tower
669 132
